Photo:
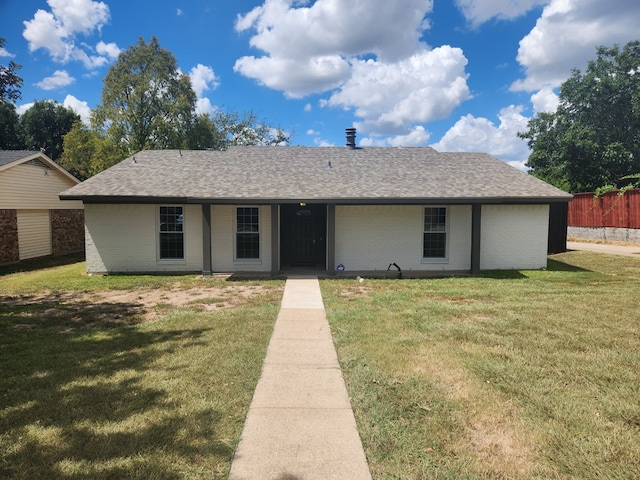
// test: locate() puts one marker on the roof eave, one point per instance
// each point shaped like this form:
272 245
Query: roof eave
110 199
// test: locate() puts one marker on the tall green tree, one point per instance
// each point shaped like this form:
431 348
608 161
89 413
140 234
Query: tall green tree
45 124
87 152
593 137
11 137
10 81
146 102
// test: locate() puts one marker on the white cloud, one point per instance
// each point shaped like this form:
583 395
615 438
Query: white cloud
478 12
89 61
55 31
78 106
391 96
567 34
368 53
203 105
308 49
417 137
321 142
519 164
390 30
308 107
203 78
59 79
5 53
110 50
20 109
80 16
296 78
44 31
545 100
478 134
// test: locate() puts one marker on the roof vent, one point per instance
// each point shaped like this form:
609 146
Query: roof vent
351 137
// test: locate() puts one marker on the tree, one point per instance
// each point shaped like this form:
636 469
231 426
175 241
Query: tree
10 129
146 102
203 134
10 82
87 153
235 129
593 137
45 124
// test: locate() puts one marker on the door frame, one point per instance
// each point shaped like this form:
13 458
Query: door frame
287 219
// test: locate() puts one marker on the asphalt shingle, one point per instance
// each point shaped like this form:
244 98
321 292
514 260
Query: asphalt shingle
10 156
321 174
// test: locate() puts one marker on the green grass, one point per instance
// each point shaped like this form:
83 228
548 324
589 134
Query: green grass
83 396
516 375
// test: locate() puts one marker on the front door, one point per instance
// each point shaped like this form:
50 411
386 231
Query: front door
303 235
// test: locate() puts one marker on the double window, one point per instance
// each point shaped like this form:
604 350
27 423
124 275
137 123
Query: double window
247 233
434 243
171 233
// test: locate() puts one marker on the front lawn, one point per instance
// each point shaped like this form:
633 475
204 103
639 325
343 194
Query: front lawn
127 377
516 375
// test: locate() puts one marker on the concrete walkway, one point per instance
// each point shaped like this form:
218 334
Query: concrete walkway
627 250
300 424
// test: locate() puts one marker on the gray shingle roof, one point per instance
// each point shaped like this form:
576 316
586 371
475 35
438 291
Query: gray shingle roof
10 156
313 174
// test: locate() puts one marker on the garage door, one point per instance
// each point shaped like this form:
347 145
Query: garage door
34 233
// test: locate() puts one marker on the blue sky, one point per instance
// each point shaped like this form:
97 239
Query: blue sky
462 75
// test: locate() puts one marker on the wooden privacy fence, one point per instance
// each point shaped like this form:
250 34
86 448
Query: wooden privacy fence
608 210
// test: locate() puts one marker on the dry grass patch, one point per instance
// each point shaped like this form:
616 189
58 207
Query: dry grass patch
499 444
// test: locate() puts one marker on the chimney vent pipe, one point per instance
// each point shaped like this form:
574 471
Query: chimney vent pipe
351 137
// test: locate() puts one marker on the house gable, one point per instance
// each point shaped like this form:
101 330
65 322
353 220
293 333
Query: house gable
38 222
31 180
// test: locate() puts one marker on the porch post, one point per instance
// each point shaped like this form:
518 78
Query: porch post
206 240
331 239
476 227
275 239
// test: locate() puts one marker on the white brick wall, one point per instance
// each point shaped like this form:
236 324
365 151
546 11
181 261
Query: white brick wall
514 237
124 238
372 237
223 241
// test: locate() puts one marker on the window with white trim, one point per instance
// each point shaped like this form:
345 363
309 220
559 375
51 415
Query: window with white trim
247 233
434 243
171 233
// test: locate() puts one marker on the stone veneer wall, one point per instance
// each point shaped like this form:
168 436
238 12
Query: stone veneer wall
605 233
9 246
67 231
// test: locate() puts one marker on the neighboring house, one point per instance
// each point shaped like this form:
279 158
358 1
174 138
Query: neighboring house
34 222
269 209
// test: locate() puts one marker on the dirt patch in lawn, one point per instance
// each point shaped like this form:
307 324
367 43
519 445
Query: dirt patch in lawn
67 312
201 298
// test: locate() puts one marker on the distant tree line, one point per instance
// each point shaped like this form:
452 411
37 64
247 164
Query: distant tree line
146 103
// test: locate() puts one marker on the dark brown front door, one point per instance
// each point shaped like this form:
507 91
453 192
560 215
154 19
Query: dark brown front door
303 235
